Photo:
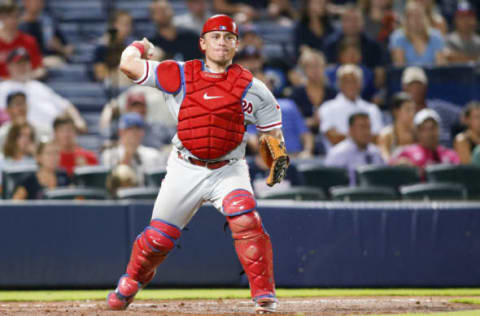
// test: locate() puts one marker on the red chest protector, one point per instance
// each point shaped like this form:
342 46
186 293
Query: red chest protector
211 119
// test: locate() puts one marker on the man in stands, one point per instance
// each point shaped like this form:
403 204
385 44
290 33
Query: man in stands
11 38
415 83
357 150
44 104
427 150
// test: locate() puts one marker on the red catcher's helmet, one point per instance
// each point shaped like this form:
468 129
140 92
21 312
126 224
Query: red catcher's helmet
220 22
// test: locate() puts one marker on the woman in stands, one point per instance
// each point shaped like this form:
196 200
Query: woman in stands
314 26
310 96
416 43
19 147
107 54
401 132
47 176
466 142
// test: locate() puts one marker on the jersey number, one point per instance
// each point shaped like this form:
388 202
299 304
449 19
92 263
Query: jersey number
247 106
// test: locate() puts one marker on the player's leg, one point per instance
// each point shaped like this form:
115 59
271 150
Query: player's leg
233 196
178 199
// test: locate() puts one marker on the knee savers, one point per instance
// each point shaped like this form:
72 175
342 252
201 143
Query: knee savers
239 207
150 249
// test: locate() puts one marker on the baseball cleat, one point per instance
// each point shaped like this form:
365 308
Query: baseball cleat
124 294
266 305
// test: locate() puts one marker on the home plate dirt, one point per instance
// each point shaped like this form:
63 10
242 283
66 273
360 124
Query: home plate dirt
296 306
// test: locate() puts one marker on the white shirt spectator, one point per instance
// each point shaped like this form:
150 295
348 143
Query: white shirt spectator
44 104
334 114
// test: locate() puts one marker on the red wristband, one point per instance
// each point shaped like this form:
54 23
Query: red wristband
140 47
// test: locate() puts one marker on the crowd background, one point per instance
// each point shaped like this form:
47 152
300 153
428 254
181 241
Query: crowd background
358 83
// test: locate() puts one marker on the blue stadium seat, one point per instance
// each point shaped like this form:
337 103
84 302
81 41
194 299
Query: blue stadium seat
139 10
91 176
76 194
434 191
364 193
300 193
11 176
79 89
68 73
85 10
139 193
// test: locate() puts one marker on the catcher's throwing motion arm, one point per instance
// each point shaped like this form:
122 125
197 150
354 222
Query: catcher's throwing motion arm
274 154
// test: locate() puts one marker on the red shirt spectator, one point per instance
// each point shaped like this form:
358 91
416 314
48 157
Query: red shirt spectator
11 38
78 157
21 40
71 155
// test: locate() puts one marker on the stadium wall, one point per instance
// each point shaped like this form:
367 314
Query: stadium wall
317 244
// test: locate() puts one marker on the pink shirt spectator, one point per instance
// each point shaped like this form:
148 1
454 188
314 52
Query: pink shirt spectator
421 156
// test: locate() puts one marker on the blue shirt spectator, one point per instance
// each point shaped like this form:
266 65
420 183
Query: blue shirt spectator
356 150
294 128
435 44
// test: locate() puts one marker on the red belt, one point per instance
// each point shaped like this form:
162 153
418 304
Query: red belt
203 163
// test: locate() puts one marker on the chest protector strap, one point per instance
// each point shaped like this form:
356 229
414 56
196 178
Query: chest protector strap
211 119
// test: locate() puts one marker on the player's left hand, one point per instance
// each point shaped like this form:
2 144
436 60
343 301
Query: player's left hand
274 154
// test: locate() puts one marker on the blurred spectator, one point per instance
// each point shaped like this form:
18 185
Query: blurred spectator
316 91
19 147
463 43
334 114
380 19
107 53
282 12
17 112
71 155
193 20
466 142
129 150
249 36
416 43
401 132
314 26
44 104
435 19
427 150
158 133
41 25
11 38
350 53
357 150
177 43
352 30
242 11
298 139
476 156
47 176
415 83
122 176
251 58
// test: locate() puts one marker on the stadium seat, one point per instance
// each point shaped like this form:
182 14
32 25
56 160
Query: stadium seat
363 193
154 176
434 191
387 176
295 193
10 177
467 175
323 177
91 176
140 193
76 194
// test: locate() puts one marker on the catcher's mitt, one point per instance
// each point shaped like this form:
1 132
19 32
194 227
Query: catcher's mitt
274 154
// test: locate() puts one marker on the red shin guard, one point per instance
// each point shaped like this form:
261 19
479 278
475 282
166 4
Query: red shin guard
150 249
252 243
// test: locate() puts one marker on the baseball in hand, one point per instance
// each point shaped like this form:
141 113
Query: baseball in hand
149 48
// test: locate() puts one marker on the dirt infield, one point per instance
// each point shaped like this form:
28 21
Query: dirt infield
300 306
